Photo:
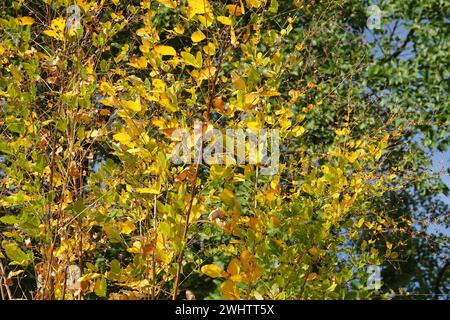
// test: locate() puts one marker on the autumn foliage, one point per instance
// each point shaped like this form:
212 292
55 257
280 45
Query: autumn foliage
89 100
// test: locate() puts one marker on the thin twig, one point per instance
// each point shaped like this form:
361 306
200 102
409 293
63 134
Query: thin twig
185 233
155 226
3 279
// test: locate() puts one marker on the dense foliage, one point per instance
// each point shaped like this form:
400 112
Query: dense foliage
92 94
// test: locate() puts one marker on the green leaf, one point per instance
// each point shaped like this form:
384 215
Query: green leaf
114 272
16 127
100 287
112 232
273 6
14 253
9 220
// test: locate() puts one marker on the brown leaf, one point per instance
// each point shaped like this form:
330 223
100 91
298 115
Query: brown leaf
218 103
105 112
74 172
216 213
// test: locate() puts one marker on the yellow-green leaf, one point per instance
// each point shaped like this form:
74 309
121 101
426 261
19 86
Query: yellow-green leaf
100 287
16 254
189 59
156 189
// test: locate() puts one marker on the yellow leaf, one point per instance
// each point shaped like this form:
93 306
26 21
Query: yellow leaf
392 176
168 3
110 101
254 125
100 287
206 20
25 21
145 47
360 223
122 137
388 245
135 284
53 34
233 39
314 251
165 50
198 36
294 94
138 63
253 3
212 270
312 276
234 10
342 132
133 105
225 20
251 268
206 73
298 131
179 29
229 290
209 49
285 124
299 46
233 267
332 287
126 227
270 93
199 6
56 28
251 99
107 89
156 189
227 196
352 157
136 248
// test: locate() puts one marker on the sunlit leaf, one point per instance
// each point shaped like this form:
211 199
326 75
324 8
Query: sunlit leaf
198 36
165 50
212 270
25 21
229 290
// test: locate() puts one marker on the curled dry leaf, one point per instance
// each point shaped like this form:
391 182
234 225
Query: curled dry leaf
216 213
